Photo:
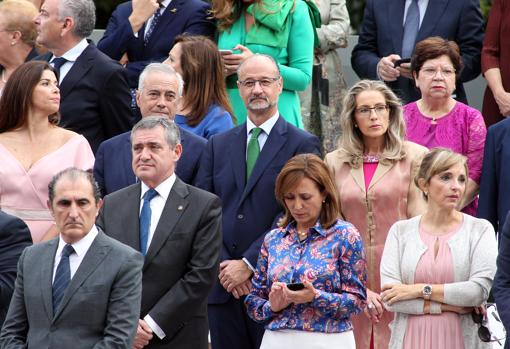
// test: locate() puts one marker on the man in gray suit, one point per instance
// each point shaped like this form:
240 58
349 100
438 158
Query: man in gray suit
80 290
178 229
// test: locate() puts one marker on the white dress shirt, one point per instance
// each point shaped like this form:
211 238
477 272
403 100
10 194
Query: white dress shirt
266 127
71 56
422 5
80 250
157 206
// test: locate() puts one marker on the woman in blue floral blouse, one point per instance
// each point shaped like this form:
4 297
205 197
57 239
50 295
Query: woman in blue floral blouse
317 255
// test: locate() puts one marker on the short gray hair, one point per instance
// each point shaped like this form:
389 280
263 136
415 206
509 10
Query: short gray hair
83 12
256 56
172 133
160 68
73 174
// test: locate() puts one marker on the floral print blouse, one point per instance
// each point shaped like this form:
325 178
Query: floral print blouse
332 259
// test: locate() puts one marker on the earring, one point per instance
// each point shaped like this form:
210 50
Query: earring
426 193
323 201
13 43
356 125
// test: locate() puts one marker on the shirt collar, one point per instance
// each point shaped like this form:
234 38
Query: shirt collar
291 227
81 246
163 188
73 54
165 3
267 126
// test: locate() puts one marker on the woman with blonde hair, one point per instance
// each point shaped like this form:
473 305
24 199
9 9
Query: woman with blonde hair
373 169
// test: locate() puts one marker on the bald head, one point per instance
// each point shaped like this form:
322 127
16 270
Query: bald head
259 59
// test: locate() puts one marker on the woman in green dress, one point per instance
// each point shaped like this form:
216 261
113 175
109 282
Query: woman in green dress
279 28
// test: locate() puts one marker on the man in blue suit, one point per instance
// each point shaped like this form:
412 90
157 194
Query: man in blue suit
494 202
143 31
241 166
158 94
381 40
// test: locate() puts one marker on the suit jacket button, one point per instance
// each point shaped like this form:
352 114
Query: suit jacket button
240 216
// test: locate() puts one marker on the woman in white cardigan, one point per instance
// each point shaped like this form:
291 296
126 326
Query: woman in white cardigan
438 267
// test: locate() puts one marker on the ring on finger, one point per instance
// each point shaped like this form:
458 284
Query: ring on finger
370 306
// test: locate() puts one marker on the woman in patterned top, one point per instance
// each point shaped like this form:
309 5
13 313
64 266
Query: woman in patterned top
311 271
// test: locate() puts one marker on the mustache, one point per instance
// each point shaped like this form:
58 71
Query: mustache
252 98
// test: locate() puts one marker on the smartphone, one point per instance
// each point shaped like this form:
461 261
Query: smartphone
226 52
400 61
296 286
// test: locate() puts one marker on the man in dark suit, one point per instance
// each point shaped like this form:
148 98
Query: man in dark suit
178 229
383 40
14 237
94 90
80 290
494 201
241 167
158 94
143 31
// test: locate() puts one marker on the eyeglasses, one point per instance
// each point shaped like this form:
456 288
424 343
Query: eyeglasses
484 333
265 82
430 72
380 110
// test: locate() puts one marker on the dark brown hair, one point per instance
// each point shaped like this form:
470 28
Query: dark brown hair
312 167
16 97
204 79
435 47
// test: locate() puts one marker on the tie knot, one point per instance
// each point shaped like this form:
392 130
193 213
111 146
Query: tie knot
58 62
67 251
150 194
255 132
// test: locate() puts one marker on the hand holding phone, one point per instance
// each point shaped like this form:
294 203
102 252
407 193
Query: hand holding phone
226 52
398 62
298 286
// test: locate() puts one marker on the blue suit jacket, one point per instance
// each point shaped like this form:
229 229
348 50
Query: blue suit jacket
113 169
382 31
181 16
494 201
249 209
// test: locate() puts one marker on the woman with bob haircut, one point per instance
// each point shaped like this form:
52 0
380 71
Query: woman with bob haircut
33 148
437 268
310 276
373 169
437 119
204 108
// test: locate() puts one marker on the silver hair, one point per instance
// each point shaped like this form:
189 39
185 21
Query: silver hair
258 55
172 133
160 68
83 12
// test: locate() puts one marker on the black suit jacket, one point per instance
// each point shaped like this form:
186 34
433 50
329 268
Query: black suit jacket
95 97
14 237
181 264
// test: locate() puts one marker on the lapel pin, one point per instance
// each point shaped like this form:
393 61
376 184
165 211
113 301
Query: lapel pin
173 10
179 208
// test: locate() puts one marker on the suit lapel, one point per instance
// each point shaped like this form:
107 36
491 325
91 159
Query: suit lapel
433 14
275 141
175 206
127 160
359 178
95 255
78 70
168 17
237 155
130 223
395 18
47 276
380 171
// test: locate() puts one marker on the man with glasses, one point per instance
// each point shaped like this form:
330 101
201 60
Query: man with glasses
241 166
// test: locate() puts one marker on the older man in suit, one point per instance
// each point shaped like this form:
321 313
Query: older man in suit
14 237
143 31
241 166
80 290
159 91
391 28
178 229
94 89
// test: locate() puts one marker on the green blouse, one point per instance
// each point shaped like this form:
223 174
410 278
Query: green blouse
294 60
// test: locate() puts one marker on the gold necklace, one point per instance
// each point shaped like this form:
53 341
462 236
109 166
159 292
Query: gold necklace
302 235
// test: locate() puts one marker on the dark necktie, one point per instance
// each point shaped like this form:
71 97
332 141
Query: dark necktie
154 23
411 27
62 277
253 151
58 62
145 219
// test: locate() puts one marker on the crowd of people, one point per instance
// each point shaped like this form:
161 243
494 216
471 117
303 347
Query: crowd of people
205 178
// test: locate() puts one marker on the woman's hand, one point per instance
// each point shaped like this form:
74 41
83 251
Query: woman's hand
232 61
306 295
456 309
278 297
503 101
374 308
400 292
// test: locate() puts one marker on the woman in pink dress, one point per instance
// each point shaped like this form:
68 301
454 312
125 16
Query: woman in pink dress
437 119
437 268
33 148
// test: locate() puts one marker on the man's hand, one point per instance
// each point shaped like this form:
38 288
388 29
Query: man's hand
233 273
405 70
142 11
386 68
242 290
124 60
143 335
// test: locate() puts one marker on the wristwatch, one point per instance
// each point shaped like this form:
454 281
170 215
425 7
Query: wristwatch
426 292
